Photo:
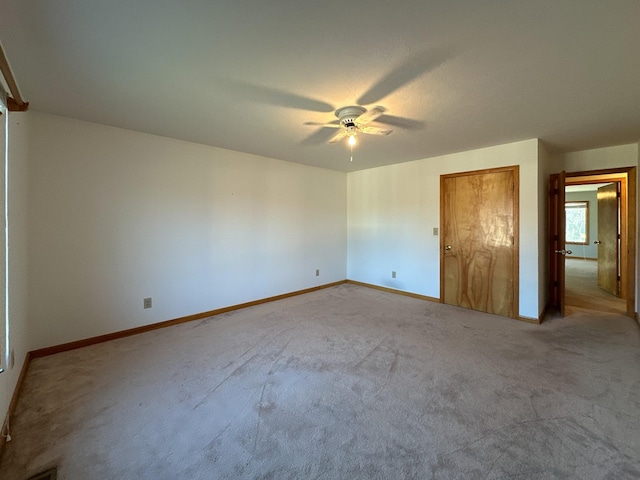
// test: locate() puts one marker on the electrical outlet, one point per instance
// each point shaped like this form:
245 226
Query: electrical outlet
12 358
393 274
317 272
147 303
435 230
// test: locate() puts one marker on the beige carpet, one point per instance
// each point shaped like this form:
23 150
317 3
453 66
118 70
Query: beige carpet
582 290
343 383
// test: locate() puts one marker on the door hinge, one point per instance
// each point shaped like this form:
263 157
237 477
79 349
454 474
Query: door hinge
618 278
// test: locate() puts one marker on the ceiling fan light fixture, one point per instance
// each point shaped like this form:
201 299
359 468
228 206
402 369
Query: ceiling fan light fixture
352 121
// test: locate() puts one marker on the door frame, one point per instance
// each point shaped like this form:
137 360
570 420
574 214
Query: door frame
557 242
627 178
515 169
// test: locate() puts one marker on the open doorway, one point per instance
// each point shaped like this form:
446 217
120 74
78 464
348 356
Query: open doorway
611 248
592 235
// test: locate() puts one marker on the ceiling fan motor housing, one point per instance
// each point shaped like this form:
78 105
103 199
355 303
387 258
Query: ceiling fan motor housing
348 115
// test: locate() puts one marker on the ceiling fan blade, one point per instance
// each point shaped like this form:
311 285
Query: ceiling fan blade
415 66
326 125
319 137
374 130
370 115
274 96
338 136
400 122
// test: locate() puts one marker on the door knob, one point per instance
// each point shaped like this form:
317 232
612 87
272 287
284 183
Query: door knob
448 247
597 242
564 252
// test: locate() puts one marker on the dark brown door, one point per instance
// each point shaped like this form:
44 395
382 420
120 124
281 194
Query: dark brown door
608 246
558 251
479 219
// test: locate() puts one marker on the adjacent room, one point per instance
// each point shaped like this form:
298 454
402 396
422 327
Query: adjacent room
320 240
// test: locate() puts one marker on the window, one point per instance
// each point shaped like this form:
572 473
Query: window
577 225
4 319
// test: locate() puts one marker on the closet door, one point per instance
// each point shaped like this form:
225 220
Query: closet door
479 243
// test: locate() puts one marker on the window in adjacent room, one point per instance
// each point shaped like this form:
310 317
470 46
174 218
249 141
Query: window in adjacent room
577 222
4 318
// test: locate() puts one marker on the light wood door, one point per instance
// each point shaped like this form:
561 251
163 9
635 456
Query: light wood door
608 246
479 225
557 221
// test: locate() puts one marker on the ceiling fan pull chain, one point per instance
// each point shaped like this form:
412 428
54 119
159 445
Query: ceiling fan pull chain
351 145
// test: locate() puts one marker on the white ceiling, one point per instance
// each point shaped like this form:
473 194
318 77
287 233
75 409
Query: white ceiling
246 75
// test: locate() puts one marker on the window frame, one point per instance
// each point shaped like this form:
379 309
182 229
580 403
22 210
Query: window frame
4 301
578 204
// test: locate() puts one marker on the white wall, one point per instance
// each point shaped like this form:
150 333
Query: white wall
116 216
392 211
597 159
17 265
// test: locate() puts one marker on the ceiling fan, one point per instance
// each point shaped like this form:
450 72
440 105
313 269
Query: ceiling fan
353 120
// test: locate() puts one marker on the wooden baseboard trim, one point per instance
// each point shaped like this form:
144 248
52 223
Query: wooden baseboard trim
14 401
536 321
393 290
43 352
540 318
437 300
